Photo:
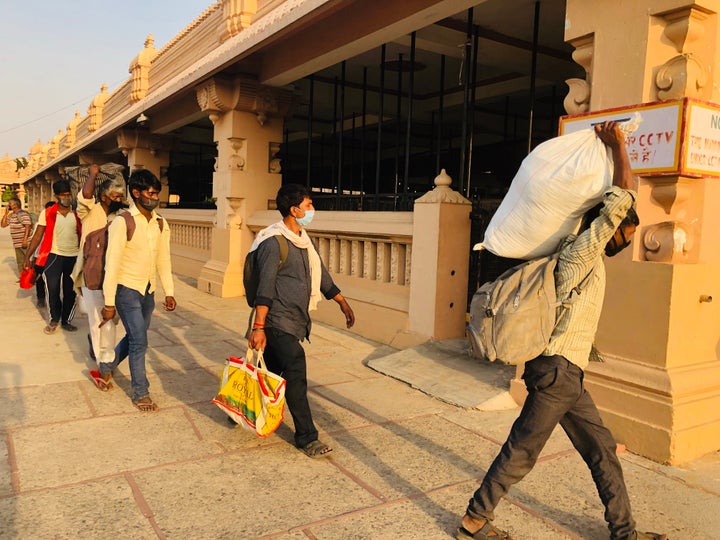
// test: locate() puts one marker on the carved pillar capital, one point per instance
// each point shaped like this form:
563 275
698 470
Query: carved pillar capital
215 97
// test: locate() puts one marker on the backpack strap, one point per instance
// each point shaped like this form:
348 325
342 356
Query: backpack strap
283 244
284 248
130 224
575 292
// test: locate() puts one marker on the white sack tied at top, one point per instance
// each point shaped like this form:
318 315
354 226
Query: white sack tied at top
556 184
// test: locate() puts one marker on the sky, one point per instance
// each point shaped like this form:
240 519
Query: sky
55 56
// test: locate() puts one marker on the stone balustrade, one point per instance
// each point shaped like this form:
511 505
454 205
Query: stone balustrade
191 238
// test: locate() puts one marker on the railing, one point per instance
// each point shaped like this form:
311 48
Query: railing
369 252
382 260
191 238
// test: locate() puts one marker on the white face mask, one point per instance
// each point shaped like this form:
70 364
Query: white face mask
306 219
65 201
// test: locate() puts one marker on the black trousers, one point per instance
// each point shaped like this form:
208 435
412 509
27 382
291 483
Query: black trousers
57 278
285 356
39 283
556 395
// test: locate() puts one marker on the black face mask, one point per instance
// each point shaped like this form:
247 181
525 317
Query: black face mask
114 206
613 248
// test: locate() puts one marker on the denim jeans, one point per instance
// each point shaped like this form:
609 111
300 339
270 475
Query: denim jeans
285 356
135 311
556 395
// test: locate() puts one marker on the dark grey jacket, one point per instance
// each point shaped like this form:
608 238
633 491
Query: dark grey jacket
286 292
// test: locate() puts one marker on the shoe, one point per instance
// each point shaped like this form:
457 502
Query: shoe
51 327
69 327
41 303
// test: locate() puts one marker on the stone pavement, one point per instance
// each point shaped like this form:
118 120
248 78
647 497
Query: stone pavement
78 463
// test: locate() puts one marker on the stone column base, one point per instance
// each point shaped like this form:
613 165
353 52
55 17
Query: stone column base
221 279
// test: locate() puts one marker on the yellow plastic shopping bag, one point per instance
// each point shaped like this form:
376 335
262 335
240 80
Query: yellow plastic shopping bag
251 395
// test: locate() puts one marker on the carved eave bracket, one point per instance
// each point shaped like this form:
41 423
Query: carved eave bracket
132 139
218 96
443 193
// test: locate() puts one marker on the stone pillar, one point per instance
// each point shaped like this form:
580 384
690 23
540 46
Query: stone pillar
440 260
659 387
146 151
248 123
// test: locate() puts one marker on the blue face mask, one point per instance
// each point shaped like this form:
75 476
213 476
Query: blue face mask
306 219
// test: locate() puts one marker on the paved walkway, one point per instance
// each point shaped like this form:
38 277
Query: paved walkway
78 463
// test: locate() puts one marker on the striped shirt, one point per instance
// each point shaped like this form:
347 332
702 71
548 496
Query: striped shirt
20 223
582 255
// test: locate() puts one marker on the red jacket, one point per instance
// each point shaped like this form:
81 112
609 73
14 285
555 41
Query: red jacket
47 241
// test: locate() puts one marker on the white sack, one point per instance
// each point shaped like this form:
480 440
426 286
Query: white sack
556 184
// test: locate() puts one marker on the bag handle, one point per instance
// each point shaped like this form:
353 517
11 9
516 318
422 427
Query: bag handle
255 358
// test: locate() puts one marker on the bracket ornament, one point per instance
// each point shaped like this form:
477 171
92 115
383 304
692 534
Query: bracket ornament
668 241
681 76
578 96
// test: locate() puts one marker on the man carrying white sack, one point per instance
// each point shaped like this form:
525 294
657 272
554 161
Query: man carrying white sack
554 379
94 216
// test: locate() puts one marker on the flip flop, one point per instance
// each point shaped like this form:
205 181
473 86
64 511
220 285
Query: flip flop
102 384
145 404
316 449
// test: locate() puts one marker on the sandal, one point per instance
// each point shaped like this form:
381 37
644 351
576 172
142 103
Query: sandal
487 532
102 380
316 449
50 328
145 404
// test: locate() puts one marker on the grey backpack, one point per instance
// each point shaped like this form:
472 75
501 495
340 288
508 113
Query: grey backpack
513 317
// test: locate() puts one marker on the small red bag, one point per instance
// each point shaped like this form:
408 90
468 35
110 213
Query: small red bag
27 278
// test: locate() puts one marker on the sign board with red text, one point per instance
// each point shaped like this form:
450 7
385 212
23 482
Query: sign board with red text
674 137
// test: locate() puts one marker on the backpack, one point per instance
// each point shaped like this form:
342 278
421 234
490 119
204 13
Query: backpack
94 251
513 317
251 273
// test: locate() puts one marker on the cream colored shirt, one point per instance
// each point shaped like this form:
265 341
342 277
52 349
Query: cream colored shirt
581 255
136 263
65 238
93 218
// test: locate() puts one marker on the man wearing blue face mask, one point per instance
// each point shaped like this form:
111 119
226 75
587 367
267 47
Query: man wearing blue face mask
58 235
289 288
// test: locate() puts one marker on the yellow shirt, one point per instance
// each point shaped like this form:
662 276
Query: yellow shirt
135 264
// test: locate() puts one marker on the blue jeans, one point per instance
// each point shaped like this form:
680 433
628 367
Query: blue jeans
556 395
135 311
